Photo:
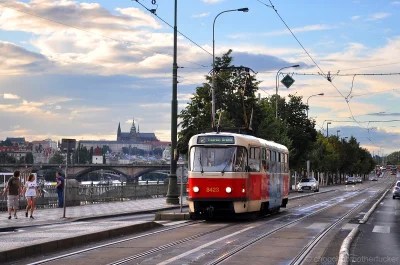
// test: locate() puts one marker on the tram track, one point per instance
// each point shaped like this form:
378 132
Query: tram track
159 249
181 241
113 243
310 246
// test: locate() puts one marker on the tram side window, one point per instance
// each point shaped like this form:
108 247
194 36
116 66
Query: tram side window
254 159
286 164
280 164
265 160
273 161
241 158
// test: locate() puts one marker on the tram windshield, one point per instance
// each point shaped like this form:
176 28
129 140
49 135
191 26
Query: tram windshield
218 159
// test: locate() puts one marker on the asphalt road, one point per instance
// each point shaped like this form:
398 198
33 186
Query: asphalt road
378 241
223 236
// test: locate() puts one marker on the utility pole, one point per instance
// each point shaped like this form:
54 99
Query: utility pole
173 194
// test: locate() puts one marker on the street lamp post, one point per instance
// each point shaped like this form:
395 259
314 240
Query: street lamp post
213 76
337 133
327 129
277 85
173 194
320 94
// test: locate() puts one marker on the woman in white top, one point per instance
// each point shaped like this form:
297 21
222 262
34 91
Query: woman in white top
31 191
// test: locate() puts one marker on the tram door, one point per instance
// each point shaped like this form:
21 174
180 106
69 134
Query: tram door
273 181
279 178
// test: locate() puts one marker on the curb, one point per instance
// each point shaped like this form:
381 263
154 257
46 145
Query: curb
87 218
373 208
344 252
51 246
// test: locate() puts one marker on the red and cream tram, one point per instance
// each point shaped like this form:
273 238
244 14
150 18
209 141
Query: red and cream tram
235 173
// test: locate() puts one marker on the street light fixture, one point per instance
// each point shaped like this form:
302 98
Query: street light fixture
245 9
277 85
327 128
320 94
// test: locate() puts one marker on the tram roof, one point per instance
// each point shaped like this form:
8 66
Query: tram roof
251 139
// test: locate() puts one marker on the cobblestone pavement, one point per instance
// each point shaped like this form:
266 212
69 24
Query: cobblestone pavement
53 216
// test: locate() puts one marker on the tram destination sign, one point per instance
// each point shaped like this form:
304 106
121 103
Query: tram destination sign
215 139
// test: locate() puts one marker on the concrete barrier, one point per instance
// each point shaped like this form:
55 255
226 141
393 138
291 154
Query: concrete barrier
171 216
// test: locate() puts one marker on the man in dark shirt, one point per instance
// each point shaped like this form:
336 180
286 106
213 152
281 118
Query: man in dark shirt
14 189
60 189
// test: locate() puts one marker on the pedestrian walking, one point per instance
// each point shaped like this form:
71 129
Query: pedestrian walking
31 192
60 190
14 189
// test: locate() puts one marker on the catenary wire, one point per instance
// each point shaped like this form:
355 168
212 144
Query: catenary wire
160 18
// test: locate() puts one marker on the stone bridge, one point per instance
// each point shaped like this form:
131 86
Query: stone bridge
78 170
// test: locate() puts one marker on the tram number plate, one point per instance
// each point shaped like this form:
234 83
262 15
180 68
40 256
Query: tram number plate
212 189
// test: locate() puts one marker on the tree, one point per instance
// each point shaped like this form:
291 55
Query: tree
57 158
29 158
106 149
7 159
235 98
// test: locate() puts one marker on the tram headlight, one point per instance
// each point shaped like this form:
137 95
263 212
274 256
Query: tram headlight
243 190
228 190
196 189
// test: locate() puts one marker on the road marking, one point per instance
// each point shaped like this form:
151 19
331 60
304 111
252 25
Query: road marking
202 246
350 226
381 229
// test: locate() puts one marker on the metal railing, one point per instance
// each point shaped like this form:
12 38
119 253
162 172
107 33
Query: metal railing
93 194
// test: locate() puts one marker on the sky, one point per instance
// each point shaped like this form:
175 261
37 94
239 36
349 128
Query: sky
78 68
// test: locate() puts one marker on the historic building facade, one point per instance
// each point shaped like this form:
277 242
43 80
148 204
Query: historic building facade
135 136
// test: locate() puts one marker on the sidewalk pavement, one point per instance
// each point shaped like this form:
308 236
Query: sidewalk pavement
83 212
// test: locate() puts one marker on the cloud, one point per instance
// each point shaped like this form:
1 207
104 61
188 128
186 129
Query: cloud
201 15
308 28
383 114
10 96
395 3
16 60
355 17
212 1
378 16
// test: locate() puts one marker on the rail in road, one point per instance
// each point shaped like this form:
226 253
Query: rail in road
202 243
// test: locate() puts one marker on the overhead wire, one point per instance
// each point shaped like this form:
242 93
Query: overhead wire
276 11
160 18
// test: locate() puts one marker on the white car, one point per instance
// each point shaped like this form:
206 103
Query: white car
310 184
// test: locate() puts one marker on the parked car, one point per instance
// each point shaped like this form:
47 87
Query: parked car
308 184
351 181
359 179
396 190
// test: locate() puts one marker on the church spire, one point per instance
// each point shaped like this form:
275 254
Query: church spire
119 129
133 127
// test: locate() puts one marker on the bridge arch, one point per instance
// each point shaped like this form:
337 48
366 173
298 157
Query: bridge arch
142 172
93 169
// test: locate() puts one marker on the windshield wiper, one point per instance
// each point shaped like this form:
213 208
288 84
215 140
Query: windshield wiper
201 164
227 162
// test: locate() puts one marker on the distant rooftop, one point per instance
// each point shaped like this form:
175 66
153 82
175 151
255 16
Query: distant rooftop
16 139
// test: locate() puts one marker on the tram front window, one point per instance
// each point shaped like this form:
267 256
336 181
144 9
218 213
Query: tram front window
218 159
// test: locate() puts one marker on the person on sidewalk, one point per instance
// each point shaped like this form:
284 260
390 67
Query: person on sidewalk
60 190
14 189
31 192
